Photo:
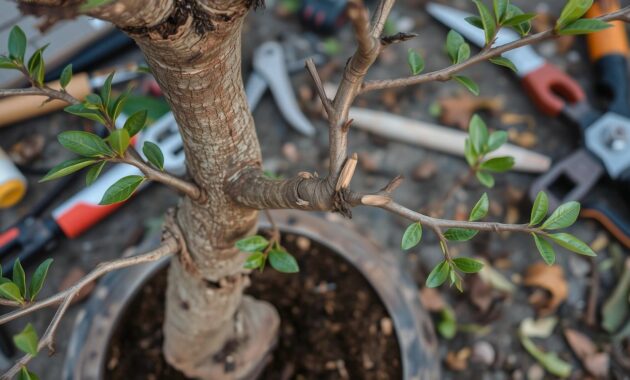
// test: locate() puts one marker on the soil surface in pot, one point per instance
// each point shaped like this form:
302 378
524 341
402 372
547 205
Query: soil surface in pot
334 326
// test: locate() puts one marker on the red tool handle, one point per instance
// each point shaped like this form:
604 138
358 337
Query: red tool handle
552 90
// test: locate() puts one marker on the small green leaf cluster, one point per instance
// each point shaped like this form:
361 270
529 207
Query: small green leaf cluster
415 62
478 144
459 51
504 15
34 68
16 289
563 217
571 23
261 250
451 269
27 341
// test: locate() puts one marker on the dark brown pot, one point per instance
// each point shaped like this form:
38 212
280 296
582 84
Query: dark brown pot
87 352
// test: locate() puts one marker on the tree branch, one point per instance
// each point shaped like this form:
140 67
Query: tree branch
446 73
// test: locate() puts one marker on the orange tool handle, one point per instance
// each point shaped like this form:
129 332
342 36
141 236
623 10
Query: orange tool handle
608 41
18 108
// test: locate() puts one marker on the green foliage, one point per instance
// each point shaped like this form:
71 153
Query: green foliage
122 189
36 67
84 111
515 12
415 61
119 141
17 44
412 236
252 243
10 291
454 41
545 249
488 22
478 133
255 260
438 275
573 10
467 265
283 261
584 26
478 144
94 172
468 83
480 209
90 4
154 154
500 9
67 167
19 277
136 122
25 374
564 216
66 76
459 234
7 63
106 90
27 340
447 324
84 144
39 277
539 209
502 61
572 243
485 179
498 164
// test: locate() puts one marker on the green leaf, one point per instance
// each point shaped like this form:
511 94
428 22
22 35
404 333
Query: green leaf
447 325
463 52
84 143
7 63
498 164
584 26
485 179
500 8
489 25
19 277
519 19
617 307
136 122
496 140
478 133
468 83
116 108
106 90
119 141
453 41
438 275
94 172
545 249
573 10
66 76
572 243
539 209
514 11
459 234
67 167
154 154
549 360
90 4
502 61
283 261
252 243
36 67
82 111
17 44
415 61
121 190
475 21
467 265
27 340
412 236
480 209
254 261
10 291
39 276
469 153
25 374
564 216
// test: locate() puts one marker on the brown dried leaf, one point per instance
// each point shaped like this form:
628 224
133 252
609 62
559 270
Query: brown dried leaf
596 363
458 361
27 150
458 110
432 300
550 278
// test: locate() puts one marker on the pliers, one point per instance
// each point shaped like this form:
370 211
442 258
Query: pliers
605 135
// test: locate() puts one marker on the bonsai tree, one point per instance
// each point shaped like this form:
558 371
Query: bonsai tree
193 48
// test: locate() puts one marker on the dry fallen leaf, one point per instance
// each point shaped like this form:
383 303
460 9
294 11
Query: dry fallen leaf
458 361
596 363
550 278
509 118
458 110
27 149
497 280
432 300
526 139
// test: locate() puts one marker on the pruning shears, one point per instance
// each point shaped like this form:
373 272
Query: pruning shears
606 134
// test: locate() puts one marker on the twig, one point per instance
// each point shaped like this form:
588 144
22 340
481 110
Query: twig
310 66
446 73
591 307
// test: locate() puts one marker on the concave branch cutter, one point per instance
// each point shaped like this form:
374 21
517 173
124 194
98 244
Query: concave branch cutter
272 64
605 134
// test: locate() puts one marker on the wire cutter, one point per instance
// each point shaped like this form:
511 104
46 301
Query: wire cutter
606 135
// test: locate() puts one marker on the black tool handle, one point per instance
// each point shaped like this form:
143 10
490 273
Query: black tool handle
613 82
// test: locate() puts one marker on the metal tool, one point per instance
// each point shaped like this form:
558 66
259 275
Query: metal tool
271 71
606 135
82 211
18 108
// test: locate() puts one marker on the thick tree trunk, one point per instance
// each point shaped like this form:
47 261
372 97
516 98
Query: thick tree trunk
211 330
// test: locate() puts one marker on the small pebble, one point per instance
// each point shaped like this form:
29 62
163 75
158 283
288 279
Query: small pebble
426 170
290 152
386 326
483 353
535 372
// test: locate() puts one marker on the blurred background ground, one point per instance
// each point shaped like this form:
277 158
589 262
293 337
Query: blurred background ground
486 345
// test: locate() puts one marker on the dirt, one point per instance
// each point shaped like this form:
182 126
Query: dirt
333 324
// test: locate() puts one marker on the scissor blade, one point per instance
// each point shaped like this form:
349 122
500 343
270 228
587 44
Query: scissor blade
524 58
